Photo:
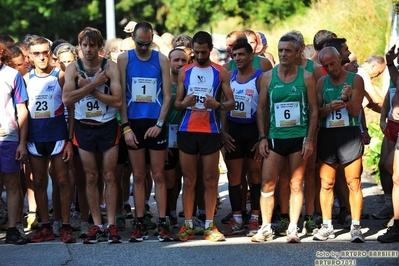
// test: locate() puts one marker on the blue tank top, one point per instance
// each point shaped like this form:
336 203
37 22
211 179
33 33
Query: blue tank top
143 86
246 99
46 110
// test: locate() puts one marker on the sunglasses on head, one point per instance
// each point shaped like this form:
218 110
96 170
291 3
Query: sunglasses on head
142 43
37 54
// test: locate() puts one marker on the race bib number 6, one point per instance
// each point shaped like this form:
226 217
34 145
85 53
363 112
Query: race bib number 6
287 114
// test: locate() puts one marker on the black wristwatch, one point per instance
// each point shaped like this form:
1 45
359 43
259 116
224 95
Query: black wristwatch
221 106
263 137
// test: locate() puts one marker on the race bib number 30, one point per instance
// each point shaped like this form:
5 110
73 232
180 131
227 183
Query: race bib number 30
338 118
287 114
144 89
200 93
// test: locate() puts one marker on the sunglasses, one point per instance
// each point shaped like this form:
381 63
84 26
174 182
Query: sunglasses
37 54
142 43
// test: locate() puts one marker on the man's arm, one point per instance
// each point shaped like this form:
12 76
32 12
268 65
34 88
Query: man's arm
313 114
182 100
69 94
390 56
263 114
166 87
228 97
384 111
354 105
22 114
115 98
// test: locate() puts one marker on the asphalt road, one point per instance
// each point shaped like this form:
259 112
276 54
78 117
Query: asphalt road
234 251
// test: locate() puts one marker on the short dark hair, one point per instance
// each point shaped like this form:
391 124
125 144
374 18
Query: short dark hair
4 37
336 43
243 44
15 51
143 25
182 40
93 34
291 38
202 37
321 37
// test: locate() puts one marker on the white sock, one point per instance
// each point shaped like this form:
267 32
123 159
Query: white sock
238 218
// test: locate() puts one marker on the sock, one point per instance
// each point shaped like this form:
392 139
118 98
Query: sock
173 213
235 197
328 223
201 212
355 223
66 225
292 226
254 217
140 219
267 227
285 215
46 225
255 196
101 227
161 220
103 206
207 223
190 222
238 218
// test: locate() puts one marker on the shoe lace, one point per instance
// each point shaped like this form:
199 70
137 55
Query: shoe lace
112 230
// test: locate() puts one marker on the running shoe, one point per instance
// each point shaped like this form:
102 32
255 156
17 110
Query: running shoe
356 234
253 227
140 232
213 234
227 218
84 229
234 228
127 210
164 232
95 235
67 235
113 236
57 228
32 220
309 226
292 236
199 226
76 220
262 235
282 227
41 234
384 214
389 223
120 222
185 233
14 237
391 235
324 233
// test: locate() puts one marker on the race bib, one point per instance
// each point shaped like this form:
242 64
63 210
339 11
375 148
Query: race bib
91 107
242 107
144 89
4 127
42 106
200 93
172 141
338 118
287 114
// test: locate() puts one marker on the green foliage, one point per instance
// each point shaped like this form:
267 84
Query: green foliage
372 152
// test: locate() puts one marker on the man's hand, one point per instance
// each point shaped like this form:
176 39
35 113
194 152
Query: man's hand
391 55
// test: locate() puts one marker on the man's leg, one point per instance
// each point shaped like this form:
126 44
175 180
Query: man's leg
137 157
39 166
158 175
110 158
352 174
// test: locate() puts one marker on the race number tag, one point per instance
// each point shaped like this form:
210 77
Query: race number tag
200 93
242 107
4 127
144 90
42 106
287 114
338 118
172 141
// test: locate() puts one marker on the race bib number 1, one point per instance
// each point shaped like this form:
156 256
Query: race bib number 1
144 90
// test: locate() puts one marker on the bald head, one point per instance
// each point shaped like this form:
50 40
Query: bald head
330 59
327 52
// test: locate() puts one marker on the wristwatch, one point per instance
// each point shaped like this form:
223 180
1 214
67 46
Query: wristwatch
263 137
221 106
159 124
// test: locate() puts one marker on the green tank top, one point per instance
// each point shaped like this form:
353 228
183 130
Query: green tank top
338 118
173 118
309 66
255 63
289 110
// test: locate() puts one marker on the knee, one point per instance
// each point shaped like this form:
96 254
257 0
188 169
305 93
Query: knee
327 184
395 179
354 185
91 179
210 181
109 177
158 177
296 187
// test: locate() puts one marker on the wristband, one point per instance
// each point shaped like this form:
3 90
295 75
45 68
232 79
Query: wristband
390 64
70 140
125 125
347 100
127 130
